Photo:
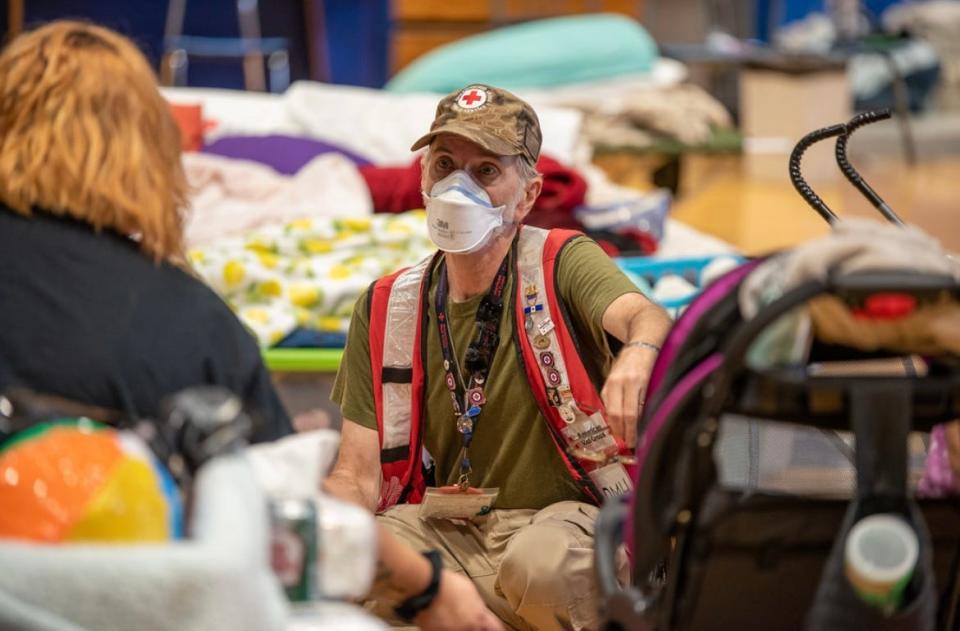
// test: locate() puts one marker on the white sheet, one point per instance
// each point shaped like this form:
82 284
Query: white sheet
383 125
237 112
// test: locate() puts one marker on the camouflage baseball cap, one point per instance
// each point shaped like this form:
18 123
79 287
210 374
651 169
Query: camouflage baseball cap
495 119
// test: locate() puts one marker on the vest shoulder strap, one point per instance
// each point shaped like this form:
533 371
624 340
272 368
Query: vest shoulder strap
567 397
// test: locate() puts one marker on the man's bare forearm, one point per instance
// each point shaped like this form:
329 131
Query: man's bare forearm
345 486
650 324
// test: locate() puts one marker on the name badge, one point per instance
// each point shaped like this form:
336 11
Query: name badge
591 434
612 480
545 326
450 502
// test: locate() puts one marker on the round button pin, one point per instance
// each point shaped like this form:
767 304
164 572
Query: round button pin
553 376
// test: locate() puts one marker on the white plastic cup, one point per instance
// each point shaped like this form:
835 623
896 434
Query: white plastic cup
880 557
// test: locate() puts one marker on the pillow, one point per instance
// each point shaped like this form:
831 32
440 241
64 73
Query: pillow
541 53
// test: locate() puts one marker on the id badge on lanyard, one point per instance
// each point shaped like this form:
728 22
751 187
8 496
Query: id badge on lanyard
454 502
461 501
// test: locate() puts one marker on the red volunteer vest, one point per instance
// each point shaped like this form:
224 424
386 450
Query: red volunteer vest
558 379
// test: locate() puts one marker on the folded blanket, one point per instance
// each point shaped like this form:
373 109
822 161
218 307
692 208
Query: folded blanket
854 245
394 189
684 113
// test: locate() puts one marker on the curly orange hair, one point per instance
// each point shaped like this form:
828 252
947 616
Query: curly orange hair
84 132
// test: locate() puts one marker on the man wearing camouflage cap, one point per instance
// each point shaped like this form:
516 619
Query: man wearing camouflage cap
490 394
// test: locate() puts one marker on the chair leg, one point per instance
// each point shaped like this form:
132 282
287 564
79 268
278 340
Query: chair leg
315 14
254 77
166 75
901 105
173 68
248 18
176 11
173 64
15 12
278 67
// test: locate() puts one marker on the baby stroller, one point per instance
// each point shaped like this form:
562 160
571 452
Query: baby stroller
752 472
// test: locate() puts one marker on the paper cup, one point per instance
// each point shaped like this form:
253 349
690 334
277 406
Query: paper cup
881 554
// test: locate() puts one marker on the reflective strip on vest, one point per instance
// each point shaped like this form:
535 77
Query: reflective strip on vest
402 320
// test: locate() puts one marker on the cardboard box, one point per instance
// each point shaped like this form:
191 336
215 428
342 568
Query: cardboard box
780 106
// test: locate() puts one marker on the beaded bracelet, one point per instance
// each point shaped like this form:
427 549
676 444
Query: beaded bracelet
639 344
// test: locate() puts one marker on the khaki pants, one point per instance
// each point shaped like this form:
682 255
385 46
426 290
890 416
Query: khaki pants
534 569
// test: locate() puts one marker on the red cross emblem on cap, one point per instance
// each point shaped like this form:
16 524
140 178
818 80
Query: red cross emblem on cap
472 98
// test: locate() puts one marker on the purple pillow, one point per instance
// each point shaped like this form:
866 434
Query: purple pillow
286 154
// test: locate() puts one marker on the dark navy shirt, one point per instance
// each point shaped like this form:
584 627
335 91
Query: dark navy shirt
87 316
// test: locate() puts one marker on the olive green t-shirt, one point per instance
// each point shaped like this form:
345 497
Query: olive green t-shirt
512 448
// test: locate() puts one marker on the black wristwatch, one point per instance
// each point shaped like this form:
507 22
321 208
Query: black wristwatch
409 608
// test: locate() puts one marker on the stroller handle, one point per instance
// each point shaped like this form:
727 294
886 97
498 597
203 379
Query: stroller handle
842 131
852 174
805 190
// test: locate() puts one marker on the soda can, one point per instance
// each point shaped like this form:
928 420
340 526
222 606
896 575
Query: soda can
294 547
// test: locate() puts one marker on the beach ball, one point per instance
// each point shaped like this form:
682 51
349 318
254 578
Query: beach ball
77 480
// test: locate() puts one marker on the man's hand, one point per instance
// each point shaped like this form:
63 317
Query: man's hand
458 606
631 318
403 573
624 390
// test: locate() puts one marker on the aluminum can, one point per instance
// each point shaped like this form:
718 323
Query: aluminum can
294 546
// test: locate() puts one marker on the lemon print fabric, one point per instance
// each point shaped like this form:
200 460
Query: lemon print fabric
307 273
340 272
233 273
304 295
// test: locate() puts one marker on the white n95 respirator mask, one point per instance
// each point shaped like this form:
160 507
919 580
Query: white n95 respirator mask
460 216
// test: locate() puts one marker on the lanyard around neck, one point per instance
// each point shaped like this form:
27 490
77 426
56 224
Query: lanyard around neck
468 396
